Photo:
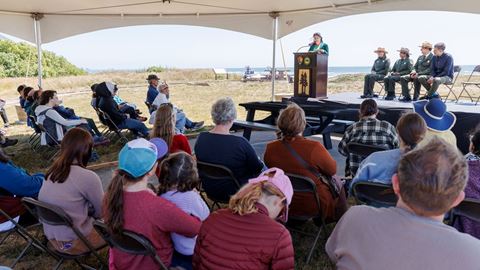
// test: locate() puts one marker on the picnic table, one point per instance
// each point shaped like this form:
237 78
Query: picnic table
320 120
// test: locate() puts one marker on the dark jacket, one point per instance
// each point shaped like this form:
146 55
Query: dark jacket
422 66
253 241
442 66
403 66
151 94
106 103
381 66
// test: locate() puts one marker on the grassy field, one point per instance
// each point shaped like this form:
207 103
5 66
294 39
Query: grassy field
192 90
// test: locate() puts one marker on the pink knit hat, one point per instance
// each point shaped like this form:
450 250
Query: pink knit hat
281 181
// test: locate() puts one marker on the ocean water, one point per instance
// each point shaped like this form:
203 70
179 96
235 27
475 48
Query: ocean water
333 71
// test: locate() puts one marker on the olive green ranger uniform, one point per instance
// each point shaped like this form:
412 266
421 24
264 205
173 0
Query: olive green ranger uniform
422 69
379 70
400 68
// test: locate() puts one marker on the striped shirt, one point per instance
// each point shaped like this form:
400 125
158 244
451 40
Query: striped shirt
370 131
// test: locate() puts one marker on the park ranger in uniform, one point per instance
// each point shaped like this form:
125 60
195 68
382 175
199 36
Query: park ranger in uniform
402 66
379 70
420 70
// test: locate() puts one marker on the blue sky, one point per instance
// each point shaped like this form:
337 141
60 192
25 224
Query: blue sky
351 39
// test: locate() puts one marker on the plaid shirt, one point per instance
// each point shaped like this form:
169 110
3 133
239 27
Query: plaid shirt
369 131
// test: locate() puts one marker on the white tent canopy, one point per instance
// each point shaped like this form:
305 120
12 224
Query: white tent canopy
49 20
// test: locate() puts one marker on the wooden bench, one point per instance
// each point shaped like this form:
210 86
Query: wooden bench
219 72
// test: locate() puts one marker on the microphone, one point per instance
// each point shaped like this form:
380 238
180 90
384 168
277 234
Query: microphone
306 46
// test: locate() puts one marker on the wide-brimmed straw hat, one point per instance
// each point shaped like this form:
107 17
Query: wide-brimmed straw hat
380 49
426 44
435 114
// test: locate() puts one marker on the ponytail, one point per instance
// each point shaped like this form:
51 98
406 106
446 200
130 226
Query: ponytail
113 202
244 201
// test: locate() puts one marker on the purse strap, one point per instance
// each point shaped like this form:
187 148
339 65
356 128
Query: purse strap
325 179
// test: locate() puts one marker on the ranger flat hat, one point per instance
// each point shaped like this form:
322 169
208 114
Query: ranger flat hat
426 44
404 50
380 49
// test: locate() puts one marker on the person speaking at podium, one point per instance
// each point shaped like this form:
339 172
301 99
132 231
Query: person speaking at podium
318 45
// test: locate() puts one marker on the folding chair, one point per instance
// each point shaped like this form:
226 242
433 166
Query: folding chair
302 184
470 83
35 137
456 72
56 216
374 194
209 173
129 242
22 231
469 208
54 147
382 89
364 150
107 121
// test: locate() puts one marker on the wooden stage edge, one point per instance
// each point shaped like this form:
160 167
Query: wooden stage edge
354 98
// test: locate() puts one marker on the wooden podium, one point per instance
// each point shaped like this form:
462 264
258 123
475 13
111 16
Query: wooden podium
311 75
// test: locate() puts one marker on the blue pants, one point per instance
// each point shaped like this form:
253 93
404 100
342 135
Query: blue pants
182 122
134 125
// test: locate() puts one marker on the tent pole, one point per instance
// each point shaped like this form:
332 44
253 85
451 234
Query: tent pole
274 15
38 42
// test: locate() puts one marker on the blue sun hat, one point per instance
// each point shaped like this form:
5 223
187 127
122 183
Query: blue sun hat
435 114
137 157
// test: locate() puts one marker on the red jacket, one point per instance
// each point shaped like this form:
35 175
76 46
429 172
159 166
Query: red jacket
255 241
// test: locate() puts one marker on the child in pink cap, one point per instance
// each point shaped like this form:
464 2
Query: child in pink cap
246 235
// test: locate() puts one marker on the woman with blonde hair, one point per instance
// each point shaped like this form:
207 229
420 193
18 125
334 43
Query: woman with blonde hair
297 155
229 238
164 128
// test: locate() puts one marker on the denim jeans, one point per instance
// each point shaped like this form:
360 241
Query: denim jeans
135 126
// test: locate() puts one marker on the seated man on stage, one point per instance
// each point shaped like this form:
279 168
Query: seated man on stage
441 71
379 70
420 70
402 66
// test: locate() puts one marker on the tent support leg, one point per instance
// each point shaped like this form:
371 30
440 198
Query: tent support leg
274 15
38 42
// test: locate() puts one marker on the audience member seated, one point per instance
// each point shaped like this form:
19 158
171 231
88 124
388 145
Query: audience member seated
15 183
439 120
472 190
130 205
105 92
412 235
128 108
179 184
182 122
285 154
164 127
378 72
76 190
370 131
21 99
411 129
441 72
33 99
220 147
402 67
3 113
93 102
25 93
53 122
247 235
152 91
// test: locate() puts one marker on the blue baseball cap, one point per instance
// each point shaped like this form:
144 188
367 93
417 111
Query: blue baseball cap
137 157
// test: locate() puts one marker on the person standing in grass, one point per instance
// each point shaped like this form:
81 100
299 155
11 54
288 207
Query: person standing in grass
75 189
430 181
130 205
179 183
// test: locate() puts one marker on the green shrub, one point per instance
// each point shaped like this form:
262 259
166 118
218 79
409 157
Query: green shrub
20 60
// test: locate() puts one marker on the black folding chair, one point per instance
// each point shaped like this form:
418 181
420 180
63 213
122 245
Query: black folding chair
456 72
374 194
471 83
111 127
23 232
56 216
54 146
209 173
129 242
35 137
364 150
306 185
469 208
